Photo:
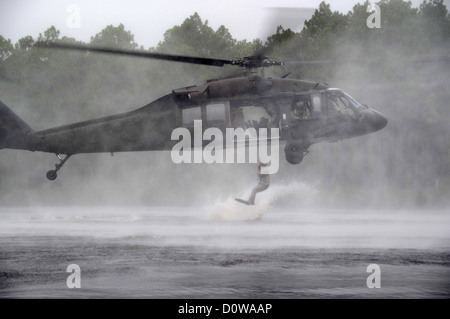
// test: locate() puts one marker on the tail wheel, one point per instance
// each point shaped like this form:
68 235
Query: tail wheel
51 175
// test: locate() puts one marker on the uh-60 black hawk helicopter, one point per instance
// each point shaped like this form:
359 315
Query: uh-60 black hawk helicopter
305 112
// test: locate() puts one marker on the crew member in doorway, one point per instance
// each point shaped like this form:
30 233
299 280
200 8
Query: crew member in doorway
263 184
300 110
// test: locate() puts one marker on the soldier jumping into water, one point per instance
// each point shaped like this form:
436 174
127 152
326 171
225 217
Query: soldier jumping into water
263 184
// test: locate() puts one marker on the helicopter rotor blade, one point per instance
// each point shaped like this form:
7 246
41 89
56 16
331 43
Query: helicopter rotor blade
308 62
250 61
136 53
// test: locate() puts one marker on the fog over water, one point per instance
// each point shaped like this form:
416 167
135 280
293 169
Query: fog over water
206 252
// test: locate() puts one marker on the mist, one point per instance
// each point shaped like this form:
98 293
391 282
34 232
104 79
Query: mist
403 166
139 225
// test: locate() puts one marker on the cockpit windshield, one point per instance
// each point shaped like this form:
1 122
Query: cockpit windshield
353 102
343 100
341 104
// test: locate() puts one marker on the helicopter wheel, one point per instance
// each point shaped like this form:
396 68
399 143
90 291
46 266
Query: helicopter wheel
294 153
51 175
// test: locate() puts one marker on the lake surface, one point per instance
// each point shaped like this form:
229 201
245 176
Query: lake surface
225 250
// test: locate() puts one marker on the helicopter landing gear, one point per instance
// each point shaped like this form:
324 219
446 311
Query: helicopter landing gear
52 175
294 152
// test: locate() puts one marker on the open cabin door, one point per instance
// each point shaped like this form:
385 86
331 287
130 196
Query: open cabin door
254 114
300 115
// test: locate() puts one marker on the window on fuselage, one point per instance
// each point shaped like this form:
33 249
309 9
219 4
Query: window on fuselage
189 115
216 114
317 106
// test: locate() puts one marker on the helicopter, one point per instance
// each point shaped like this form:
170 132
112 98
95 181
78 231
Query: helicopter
304 112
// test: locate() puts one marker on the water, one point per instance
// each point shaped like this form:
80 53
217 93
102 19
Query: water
223 250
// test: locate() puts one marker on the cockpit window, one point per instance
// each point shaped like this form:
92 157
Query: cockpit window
342 100
352 101
340 104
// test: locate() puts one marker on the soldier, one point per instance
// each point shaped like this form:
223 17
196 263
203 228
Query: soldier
263 184
300 110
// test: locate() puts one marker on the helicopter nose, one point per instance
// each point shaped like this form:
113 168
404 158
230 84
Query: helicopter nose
371 121
378 121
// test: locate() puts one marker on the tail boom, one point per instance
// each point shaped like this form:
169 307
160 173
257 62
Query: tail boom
14 132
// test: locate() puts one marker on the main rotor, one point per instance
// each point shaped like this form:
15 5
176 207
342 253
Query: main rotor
250 62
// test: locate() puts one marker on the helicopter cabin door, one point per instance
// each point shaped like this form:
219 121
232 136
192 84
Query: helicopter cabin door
254 115
301 115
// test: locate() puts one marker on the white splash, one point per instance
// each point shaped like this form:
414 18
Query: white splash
231 210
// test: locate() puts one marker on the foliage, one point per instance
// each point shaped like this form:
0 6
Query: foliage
6 48
114 37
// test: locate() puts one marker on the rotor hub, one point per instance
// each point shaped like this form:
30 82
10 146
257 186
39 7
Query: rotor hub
255 61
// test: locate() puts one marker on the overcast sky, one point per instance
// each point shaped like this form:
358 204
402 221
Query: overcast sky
148 20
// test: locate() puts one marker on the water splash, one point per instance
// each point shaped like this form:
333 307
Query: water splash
231 210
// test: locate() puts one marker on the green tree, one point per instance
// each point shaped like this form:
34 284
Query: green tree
279 39
50 35
435 17
357 22
25 43
195 37
246 48
115 37
397 20
321 33
324 22
6 48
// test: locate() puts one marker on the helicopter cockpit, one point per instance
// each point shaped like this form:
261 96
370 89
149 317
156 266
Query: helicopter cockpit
342 105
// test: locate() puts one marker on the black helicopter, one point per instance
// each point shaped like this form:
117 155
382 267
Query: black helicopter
305 112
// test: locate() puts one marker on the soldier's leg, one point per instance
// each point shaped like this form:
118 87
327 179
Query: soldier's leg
257 189
251 199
